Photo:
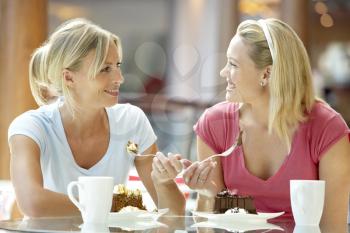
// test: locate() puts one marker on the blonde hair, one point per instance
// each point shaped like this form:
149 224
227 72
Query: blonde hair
290 83
65 49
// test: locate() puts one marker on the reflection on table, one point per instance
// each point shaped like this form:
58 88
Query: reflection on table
165 224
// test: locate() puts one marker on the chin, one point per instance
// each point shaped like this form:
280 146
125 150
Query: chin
230 97
112 103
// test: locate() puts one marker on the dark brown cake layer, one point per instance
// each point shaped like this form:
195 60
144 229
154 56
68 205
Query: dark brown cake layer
225 200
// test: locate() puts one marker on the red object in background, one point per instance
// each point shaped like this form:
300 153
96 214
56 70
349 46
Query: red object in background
154 85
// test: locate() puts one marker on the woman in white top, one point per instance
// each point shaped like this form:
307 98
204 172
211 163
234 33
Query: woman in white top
84 132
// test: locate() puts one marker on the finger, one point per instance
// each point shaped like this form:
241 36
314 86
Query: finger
175 162
154 167
193 180
166 164
186 163
203 176
188 173
158 165
202 165
178 156
211 172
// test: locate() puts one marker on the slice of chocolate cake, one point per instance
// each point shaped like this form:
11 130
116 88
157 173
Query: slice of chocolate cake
225 200
123 197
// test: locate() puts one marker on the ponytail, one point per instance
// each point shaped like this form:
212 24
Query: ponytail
38 76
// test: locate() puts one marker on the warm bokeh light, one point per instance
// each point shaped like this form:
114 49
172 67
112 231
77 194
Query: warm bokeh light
321 8
264 8
326 20
67 11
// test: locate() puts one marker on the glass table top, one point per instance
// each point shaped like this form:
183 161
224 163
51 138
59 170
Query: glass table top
177 224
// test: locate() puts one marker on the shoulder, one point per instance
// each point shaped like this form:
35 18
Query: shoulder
322 110
324 127
322 114
222 110
126 112
223 115
35 124
216 124
42 116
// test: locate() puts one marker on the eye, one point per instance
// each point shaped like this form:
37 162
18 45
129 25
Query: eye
106 69
232 64
119 64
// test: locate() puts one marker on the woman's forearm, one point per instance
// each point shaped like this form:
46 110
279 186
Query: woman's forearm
170 196
44 203
205 203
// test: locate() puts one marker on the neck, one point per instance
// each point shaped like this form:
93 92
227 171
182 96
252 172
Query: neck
85 122
257 111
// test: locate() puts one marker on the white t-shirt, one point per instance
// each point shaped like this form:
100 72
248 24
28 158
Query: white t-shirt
58 167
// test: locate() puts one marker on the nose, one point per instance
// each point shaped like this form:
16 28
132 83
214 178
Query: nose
223 72
118 77
121 80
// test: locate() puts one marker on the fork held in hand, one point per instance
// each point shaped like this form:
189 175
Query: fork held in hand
231 149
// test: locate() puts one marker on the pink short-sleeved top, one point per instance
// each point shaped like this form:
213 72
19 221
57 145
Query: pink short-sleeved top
218 127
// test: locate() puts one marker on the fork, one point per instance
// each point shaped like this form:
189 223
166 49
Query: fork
229 151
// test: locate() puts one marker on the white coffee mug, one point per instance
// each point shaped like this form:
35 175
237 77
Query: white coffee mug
307 200
306 229
94 228
95 197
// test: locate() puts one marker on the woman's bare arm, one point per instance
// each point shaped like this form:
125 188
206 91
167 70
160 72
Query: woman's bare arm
205 202
144 169
165 170
334 168
26 176
165 195
213 177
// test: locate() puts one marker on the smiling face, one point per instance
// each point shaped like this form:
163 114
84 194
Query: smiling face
102 90
242 76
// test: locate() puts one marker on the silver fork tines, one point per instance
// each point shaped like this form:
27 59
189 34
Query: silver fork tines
231 149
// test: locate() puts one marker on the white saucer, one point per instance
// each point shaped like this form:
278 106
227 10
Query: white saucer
142 215
237 217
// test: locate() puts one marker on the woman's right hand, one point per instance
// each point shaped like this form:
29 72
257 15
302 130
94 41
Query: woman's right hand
165 169
198 177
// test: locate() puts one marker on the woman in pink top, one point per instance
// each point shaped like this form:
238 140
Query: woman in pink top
287 133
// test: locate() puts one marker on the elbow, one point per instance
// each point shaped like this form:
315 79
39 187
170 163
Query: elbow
31 207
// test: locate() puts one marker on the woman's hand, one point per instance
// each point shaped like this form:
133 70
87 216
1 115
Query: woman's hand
198 177
165 169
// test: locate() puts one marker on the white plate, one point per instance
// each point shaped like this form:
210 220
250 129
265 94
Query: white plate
237 217
136 225
125 224
137 215
238 226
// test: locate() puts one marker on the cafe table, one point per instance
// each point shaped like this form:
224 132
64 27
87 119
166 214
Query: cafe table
164 224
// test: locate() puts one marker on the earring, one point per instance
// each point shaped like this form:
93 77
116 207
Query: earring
262 83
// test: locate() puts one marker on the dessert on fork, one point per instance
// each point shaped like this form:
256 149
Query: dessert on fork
132 148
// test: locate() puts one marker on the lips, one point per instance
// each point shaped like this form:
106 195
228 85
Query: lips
230 87
112 92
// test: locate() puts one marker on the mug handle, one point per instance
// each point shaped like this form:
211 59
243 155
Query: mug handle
71 196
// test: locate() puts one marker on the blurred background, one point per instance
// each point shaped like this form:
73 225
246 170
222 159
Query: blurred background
173 51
